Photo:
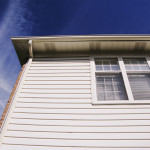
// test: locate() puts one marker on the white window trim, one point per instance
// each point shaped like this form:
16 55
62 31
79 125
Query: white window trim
125 80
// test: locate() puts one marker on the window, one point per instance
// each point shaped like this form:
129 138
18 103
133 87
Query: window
120 80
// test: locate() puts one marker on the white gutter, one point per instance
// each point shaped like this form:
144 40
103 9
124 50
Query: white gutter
101 37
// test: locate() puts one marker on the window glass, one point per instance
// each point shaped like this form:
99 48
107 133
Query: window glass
106 64
138 64
140 86
110 87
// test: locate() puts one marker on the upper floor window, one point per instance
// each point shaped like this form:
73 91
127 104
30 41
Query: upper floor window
120 80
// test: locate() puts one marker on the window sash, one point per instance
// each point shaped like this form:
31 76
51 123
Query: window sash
140 85
110 87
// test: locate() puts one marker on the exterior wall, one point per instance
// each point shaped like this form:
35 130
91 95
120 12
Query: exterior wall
54 111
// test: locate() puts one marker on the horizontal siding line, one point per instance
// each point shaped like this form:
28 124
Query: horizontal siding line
72 132
78 146
61 69
59 88
47 88
78 63
73 138
56 84
61 64
82 74
20 147
61 58
56 76
72 69
76 82
78 119
46 66
69 72
76 106
72 57
88 99
56 72
85 113
53 98
52 62
65 60
82 78
81 108
71 95
59 77
82 125
55 102
61 61
54 93
57 80
49 62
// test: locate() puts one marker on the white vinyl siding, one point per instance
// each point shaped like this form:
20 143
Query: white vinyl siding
49 116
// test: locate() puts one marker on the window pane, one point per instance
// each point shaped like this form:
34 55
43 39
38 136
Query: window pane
128 67
110 95
114 67
140 85
106 64
136 64
99 67
136 67
110 87
107 67
144 67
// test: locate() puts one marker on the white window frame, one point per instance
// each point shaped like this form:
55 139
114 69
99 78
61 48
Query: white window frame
123 71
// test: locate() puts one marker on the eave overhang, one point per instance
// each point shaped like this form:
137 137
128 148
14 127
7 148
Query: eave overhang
59 46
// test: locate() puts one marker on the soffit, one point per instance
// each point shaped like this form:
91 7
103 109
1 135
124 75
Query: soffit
52 46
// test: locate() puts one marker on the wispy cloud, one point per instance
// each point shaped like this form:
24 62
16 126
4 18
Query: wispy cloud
13 23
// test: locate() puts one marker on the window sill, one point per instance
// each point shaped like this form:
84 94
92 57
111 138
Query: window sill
122 102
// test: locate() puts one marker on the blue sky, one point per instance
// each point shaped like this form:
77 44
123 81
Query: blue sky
63 17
